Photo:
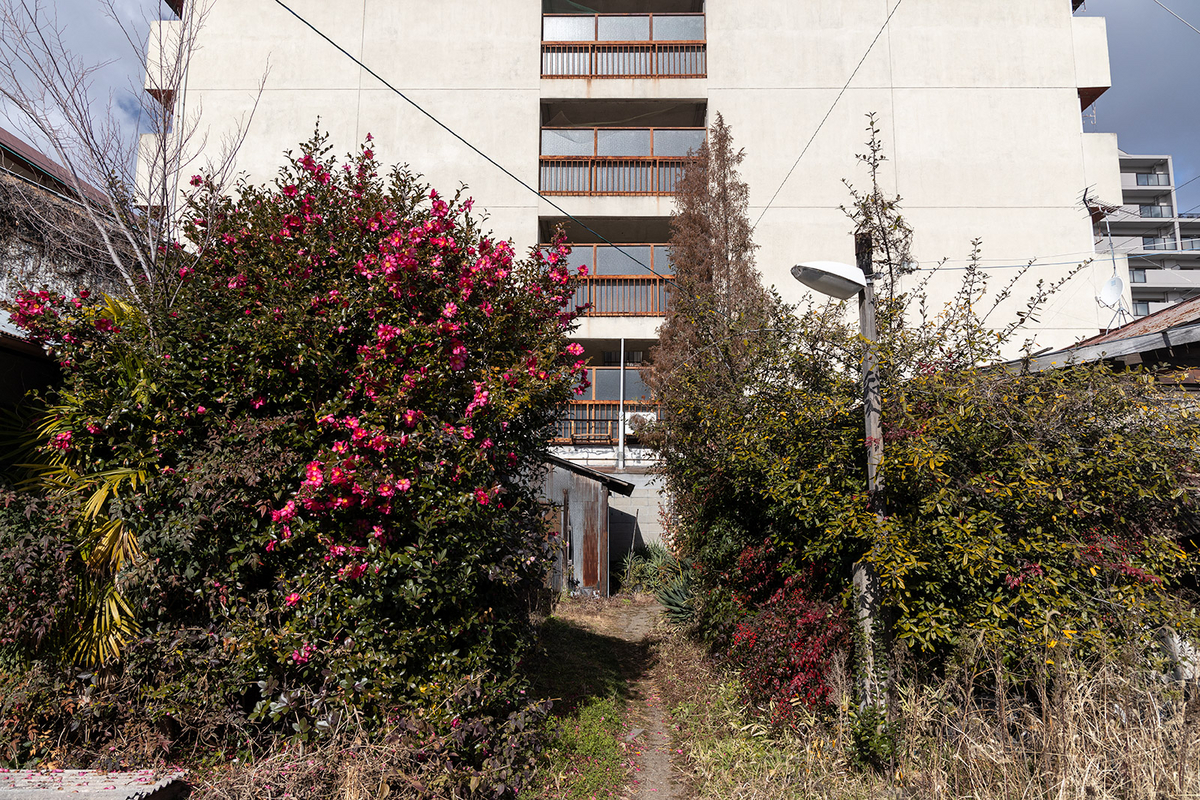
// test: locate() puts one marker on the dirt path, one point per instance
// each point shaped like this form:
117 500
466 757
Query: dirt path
649 736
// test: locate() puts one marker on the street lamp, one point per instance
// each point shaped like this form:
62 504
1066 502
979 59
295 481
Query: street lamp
843 282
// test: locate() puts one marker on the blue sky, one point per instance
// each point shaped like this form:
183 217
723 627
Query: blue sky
1153 105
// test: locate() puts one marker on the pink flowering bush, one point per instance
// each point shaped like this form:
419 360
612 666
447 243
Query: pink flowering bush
341 413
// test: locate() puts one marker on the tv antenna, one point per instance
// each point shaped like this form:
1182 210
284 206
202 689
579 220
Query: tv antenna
1112 293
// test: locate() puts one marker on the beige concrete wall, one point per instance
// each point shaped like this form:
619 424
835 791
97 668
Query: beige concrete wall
977 103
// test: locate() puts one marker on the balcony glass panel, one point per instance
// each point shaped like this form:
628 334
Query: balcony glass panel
677 143
567 142
1190 244
616 142
683 28
569 29
623 28
606 384
581 257
613 261
1156 211
662 260
1153 179
1158 243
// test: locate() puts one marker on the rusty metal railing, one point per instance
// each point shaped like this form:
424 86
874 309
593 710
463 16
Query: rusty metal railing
593 422
624 46
615 161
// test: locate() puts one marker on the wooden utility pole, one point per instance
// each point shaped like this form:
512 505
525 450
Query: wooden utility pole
866 581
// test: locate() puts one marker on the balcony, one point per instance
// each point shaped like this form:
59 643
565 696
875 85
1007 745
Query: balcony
594 418
623 46
1159 243
1154 211
1153 179
615 161
617 285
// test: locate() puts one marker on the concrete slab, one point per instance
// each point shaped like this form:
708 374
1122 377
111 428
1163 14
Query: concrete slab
58 784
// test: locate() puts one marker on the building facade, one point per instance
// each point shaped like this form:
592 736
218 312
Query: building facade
1155 241
597 103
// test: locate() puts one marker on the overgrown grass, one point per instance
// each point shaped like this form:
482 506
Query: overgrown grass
587 674
1116 731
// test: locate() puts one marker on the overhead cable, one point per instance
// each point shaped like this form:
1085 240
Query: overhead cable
829 113
479 152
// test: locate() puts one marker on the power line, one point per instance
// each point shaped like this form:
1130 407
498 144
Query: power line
1176 16
576 220
827 113
479 152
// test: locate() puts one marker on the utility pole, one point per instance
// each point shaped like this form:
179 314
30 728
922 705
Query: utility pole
866 581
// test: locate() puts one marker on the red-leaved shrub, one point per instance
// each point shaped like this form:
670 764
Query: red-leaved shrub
785 645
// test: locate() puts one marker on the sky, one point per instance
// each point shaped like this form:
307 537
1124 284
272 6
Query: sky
1153 105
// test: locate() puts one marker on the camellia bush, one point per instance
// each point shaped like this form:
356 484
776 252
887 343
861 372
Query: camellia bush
312 470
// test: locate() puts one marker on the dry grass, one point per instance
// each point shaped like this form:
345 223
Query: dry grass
1118 732
336 770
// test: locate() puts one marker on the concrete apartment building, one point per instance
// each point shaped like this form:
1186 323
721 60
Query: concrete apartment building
597 103
1155 241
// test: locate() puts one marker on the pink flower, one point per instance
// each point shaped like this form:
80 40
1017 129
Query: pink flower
292 599
61 441
196 180
449 310
575 349
482 496
201 410
458 358
314 474
285 514
257 402
403 485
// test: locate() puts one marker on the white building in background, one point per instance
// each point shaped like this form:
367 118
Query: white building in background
597 103
1150 236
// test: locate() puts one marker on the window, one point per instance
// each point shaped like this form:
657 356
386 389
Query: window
1141 308
1137 276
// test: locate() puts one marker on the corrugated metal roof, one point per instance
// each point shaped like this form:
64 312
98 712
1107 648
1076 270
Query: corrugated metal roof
39 162
1184 313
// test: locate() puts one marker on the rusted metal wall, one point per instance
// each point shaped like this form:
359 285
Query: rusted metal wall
582 508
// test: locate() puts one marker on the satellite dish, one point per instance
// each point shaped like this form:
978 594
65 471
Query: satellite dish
1110 292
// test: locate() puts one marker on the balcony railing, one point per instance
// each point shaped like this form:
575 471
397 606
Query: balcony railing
623 46
1155 211
1190 244
1158 243
615 161
1153 179
617 285
589 422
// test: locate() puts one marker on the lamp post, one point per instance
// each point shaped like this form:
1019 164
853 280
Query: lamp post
843 281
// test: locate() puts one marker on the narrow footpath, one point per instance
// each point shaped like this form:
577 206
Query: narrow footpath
649 737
